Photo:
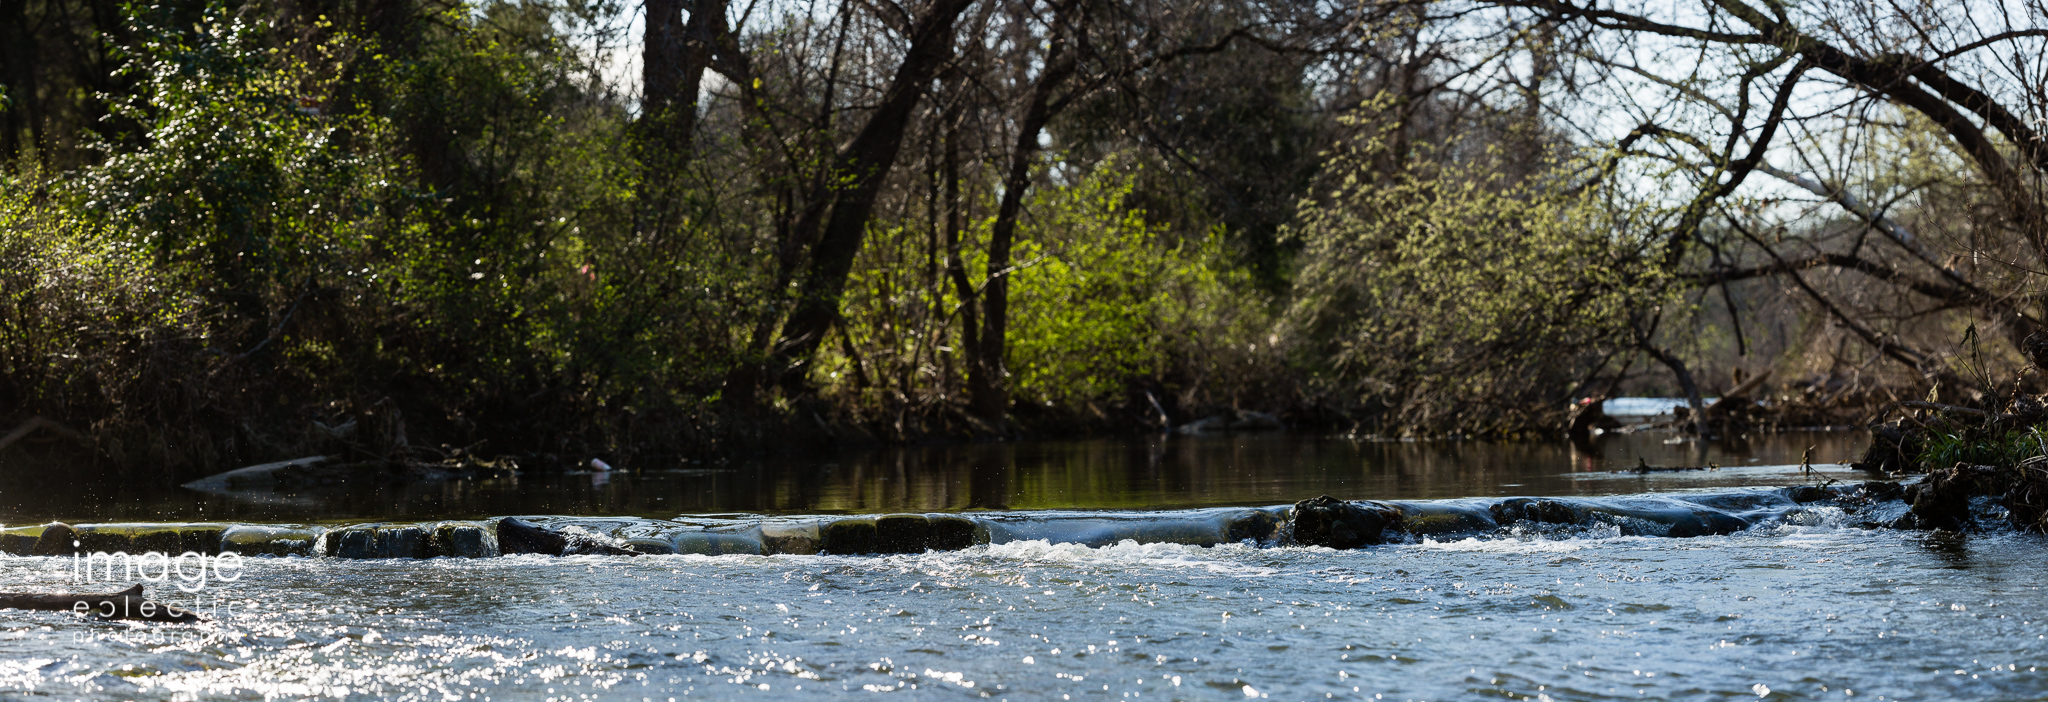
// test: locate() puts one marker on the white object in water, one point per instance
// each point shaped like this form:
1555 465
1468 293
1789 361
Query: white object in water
1648 406
598 464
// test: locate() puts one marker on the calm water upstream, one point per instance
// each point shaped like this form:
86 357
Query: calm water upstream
1804 605
1126 473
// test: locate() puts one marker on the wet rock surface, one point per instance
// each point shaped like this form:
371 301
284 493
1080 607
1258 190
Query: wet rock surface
1328 521
57 539
851 536
903 533
1523 509
1947 500
270 540
516 535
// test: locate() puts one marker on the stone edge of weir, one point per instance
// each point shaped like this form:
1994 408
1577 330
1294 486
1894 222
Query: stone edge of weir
1321 521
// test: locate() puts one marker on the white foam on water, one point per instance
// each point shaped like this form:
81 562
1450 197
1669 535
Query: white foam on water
1221 559
1476 545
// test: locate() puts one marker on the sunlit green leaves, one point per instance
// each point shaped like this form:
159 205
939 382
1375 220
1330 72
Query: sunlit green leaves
1444 277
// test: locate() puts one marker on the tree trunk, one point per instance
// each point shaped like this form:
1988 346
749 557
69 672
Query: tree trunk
956 267
1687 384
988 387
860 167
673 61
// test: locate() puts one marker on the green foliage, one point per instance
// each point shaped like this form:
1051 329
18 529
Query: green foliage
1439 285
244 179
80 306
313 220
1103 298
1979 448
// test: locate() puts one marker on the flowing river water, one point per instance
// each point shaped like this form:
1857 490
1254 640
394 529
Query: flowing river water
1797 601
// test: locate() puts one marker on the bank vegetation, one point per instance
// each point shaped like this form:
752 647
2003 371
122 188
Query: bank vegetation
233 232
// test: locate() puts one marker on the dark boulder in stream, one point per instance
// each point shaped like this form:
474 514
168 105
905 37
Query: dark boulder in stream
851 536
1539 511
58 539
903 533
516 535
1328 521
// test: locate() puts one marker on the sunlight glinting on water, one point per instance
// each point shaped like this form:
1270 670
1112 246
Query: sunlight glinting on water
1801 605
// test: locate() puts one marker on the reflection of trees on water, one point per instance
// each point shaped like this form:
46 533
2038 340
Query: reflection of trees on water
1128 473
1169 472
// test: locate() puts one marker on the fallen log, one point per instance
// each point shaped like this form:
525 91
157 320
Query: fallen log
257 475
126 604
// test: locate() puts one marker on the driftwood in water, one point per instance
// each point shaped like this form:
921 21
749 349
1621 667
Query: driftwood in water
1644 467
519 536
126 604
267 474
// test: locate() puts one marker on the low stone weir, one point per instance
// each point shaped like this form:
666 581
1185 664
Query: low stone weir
1323 521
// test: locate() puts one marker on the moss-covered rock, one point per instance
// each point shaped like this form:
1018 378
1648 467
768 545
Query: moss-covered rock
270 539
20 541
952 532
850 536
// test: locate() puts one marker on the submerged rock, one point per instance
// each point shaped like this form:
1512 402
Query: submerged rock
126 604
1808 493
1445 518
1256 525
400 541
349 542
651 546
714 542
519 536
1942 501
1328 521
270 540
1201 528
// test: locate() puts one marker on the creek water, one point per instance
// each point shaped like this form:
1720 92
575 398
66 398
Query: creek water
1803 604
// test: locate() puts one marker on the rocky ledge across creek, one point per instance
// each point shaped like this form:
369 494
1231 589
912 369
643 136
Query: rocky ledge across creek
1323 521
